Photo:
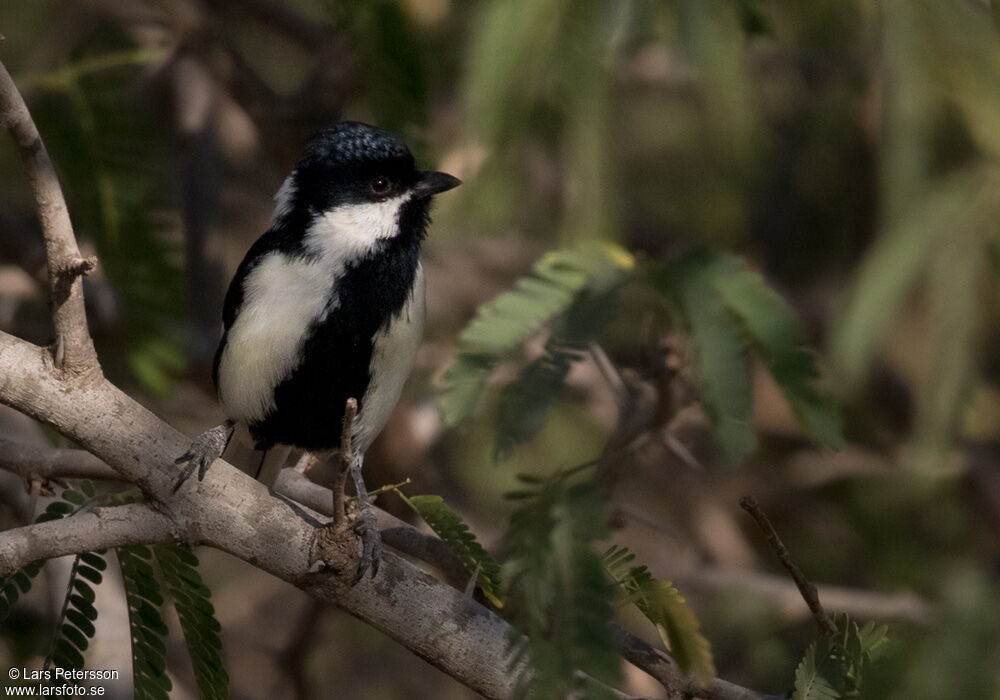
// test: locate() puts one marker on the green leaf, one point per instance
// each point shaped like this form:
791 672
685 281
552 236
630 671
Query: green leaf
557 593
811 683
834 665
663 605
781 343
148 664
721 360
570 293
728 310
74 497
75 626
897 260
19 582
450 527
197 617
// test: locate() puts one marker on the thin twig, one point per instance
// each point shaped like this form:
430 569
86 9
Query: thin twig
807 589
658 664
34 491
470 587
609 372
346 460
388 487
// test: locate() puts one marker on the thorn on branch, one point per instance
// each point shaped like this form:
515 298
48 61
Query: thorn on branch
809 593
77 267
470 587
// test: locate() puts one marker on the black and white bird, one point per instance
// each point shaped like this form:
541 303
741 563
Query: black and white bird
327 305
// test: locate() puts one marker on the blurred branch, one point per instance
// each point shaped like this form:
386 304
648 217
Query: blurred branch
194 100
806 588
74 350
783 593
660 666
285 122
68 75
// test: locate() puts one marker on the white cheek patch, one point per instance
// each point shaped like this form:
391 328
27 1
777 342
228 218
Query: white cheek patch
282 296
351 230
283 199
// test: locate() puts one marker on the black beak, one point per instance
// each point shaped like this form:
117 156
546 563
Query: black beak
432 182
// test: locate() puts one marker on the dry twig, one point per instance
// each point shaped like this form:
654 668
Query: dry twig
807 589
345 462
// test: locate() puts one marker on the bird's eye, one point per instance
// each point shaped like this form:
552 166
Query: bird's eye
380 185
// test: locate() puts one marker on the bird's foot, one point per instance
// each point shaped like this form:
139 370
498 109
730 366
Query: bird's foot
205 449
365 526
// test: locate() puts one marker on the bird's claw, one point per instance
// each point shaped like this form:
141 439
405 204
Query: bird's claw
365 526
204 450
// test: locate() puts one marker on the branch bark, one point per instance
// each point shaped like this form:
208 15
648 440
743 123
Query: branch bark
45 463
232 512
74 349
135 523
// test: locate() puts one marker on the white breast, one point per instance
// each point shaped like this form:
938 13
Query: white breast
395 350
282 296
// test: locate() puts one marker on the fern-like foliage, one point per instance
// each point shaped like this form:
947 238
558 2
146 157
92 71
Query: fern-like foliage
18 583
833 666
192 600
664 606
728 310
570 293
144 598
75 627
558 595
450 527
147 630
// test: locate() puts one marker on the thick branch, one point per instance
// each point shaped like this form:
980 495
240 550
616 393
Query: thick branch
396 533
74 347
53 463
31 462
232 512
135 523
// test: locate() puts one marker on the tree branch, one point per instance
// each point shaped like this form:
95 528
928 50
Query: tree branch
660 666
228 509
135 523
234 513
74 349
45 463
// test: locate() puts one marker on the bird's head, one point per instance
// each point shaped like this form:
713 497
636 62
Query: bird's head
357 186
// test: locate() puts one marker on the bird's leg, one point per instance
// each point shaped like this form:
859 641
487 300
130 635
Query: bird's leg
365 525
205 449
271 464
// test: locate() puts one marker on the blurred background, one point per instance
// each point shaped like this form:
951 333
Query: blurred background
848 149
